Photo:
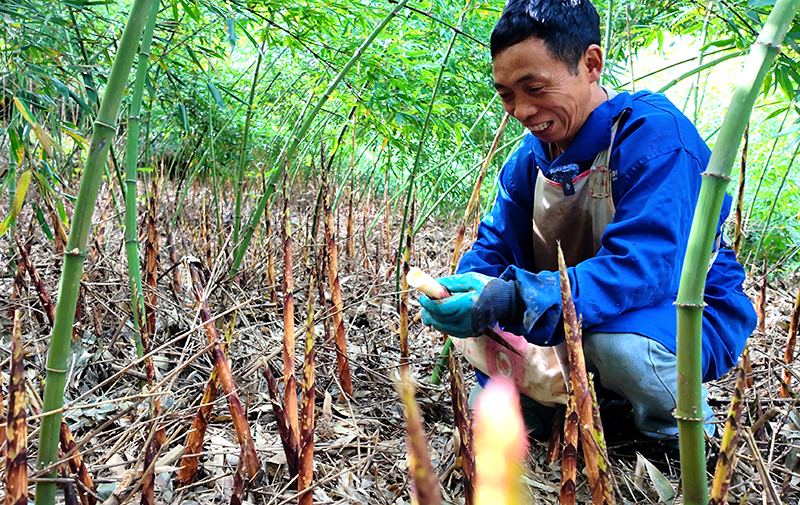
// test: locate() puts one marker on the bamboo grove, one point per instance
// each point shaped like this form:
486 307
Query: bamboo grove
235 198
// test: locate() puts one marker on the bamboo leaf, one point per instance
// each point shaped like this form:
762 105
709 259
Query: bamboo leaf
22 190
17 147
74 134
229 23
23 110
216 94
660 483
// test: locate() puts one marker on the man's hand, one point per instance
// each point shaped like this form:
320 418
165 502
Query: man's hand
477 302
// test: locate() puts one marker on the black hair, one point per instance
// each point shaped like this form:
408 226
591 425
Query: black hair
567 27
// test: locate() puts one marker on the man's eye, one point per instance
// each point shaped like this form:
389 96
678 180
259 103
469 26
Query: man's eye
536 90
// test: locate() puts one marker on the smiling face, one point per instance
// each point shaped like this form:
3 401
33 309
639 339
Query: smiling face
541 92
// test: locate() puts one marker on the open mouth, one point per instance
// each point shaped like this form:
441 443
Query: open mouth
540 127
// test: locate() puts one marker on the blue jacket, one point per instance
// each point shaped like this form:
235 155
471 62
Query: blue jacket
632 282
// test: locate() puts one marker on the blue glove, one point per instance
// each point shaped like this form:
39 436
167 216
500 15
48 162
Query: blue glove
477 302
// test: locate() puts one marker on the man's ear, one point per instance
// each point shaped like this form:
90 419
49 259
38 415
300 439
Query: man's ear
593 61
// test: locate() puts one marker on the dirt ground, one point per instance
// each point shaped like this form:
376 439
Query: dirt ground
360 443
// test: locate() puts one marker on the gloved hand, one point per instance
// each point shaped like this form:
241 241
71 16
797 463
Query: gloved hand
477 302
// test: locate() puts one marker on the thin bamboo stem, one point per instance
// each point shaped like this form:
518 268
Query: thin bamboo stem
103 132
240 181
303 129
701 238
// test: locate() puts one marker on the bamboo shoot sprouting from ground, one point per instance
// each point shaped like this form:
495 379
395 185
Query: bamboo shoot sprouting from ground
342 361
408 239
593 451
289 381
426 484
501 445
305 465
791 341
569 458
730 440
463 422
102 135
194 444
698 251
226 380
16 467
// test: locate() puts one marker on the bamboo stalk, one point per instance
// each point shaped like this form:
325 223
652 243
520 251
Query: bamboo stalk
791 341
727 450
47 305
303 129
16 467
349 244
289 381
226 380
103 132
66 439
240 181
579 381
426 484
698 251
131 165
342 362
305 467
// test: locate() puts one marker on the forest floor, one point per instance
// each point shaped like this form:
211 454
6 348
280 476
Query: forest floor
360 444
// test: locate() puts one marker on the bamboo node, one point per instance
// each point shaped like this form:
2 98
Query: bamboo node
687 418
718 176
690 305
55 370
75 252
100 123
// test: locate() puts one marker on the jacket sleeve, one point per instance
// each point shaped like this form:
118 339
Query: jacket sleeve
505 234
641 256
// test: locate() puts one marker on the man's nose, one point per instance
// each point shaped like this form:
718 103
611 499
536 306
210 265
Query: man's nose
524 109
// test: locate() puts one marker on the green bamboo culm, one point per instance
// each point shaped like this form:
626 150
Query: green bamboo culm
131 164
243 152
698 252
102 136
300 134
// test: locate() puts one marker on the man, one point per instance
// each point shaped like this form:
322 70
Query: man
614 178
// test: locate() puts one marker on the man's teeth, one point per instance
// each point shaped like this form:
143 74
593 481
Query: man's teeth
541 126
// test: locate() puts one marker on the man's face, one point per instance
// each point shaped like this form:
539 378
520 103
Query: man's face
542 93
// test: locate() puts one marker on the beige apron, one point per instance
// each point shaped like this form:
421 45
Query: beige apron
578 221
